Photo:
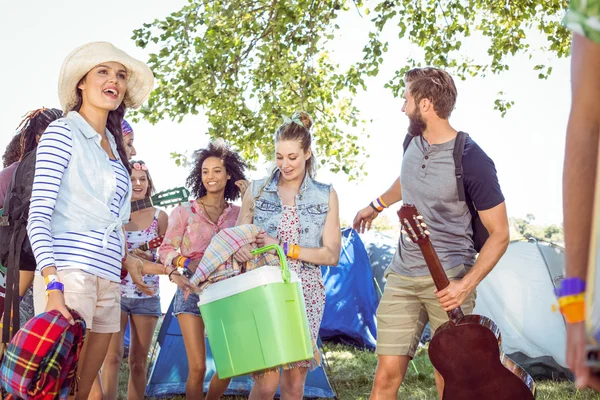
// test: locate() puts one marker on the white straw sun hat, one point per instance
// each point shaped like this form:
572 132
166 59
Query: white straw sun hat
140 79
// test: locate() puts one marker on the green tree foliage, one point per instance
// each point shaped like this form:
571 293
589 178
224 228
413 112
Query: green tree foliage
247 63
524 228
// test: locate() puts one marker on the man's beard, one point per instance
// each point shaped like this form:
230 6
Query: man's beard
416 125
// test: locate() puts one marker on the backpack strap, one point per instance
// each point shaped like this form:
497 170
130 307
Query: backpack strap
407 140
459 148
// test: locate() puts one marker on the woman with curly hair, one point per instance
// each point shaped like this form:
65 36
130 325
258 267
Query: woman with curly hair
216 179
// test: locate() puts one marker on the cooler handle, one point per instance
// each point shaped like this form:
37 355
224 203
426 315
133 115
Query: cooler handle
285 271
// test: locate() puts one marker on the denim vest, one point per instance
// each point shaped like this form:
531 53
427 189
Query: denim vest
312 204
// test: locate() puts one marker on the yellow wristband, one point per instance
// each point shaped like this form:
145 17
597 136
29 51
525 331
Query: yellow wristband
574 312
566 300
50 278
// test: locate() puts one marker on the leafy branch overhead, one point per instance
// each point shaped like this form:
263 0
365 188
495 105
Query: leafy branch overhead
247 63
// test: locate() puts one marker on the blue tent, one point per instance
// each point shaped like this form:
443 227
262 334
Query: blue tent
170 368
351 297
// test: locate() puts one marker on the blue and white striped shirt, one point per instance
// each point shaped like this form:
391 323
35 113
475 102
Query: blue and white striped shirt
70 250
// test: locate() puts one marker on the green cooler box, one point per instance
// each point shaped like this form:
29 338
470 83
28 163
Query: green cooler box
256 320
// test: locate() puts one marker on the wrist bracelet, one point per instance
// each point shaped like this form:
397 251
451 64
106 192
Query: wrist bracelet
171 273
378 204
375 208
574 312
55 285
570 286
294 251
181 261
175 261
51 278
380 201
186 263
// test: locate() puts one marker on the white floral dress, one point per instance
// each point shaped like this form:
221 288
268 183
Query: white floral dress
312 282
134 240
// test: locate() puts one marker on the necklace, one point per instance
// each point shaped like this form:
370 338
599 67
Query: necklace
209 216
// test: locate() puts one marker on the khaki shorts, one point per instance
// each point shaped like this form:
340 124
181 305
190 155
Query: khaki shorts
97 300
406 306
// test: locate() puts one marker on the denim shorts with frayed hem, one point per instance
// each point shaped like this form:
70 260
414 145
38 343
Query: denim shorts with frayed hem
189 306
149 306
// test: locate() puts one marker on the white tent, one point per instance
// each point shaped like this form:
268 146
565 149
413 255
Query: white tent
518 296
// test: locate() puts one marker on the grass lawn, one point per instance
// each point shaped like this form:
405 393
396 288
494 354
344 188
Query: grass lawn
351 373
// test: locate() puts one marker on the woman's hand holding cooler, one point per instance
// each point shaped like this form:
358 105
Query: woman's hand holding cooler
243 254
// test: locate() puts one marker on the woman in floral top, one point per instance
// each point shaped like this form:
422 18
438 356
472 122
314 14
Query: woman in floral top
139 309
216 178
581 158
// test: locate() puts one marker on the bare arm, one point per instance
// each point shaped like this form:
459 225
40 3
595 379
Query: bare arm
364 218
246 215
393 194
495 221
163 223
581 154
579 183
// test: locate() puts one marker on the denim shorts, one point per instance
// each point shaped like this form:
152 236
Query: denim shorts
189 306
141 306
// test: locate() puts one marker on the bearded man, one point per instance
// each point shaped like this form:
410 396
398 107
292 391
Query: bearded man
428 180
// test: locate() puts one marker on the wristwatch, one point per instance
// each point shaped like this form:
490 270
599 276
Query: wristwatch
185 272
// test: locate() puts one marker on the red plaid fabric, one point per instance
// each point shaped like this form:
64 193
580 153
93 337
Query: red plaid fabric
41 359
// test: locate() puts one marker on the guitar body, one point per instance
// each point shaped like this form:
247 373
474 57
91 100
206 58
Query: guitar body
466 350
467 354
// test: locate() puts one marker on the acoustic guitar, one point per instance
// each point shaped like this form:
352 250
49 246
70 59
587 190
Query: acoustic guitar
152 244
163 199
466 350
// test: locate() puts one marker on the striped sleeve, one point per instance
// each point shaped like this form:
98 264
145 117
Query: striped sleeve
52 158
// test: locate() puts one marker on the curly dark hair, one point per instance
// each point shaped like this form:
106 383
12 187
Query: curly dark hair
234 166
33 126
12 153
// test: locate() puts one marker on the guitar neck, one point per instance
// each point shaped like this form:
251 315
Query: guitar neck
438 274
138 205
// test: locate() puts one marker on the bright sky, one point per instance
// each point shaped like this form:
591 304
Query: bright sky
527 145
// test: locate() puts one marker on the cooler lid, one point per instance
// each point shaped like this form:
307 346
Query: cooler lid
241 283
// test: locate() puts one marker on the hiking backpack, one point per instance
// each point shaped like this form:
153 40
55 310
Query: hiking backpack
15 248
480 233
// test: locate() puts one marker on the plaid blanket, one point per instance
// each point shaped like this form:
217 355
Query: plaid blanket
41 359
218 262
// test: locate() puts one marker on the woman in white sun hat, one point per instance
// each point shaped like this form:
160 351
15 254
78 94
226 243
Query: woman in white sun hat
81 196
